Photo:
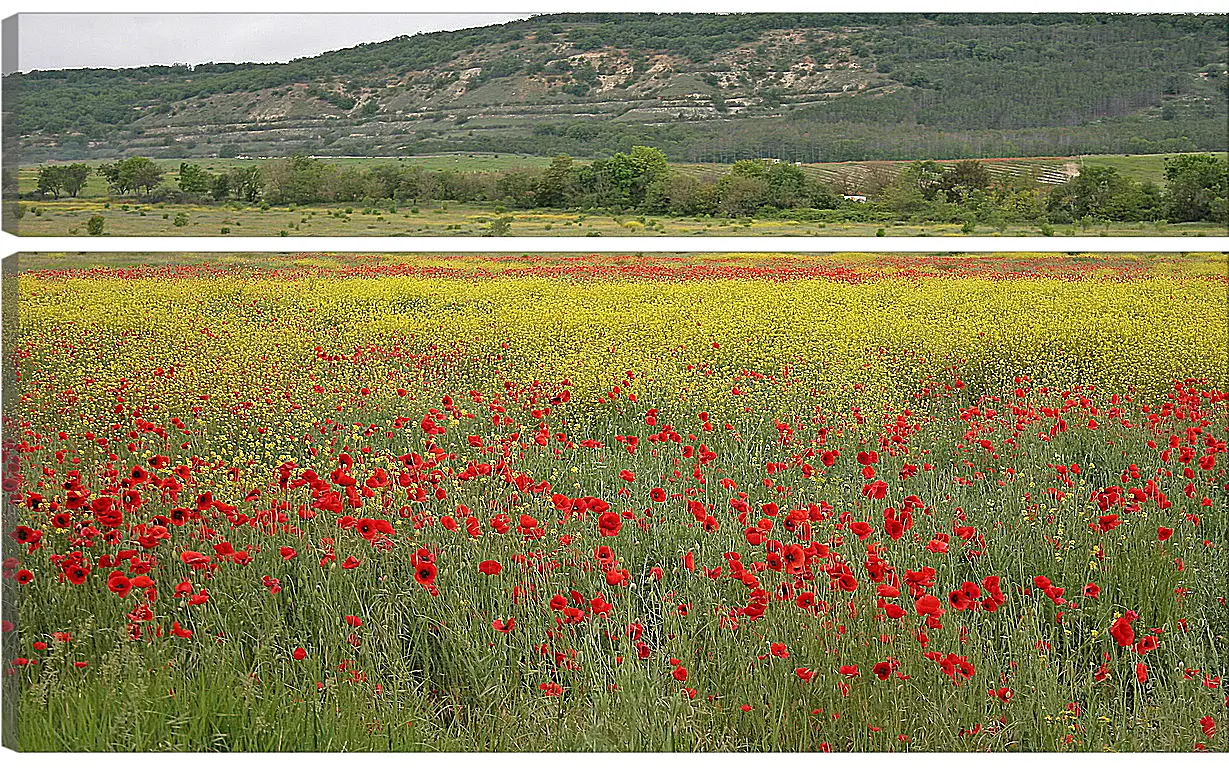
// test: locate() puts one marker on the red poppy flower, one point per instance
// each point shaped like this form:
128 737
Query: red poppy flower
501 625
1208 725
876 490
1122 631
609 524
1145 644
490 567
425 574
929 605
118 583
195 559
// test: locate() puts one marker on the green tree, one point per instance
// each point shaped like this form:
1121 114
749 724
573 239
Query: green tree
297 179
751 169
194 180
925 176
787 185
681 195
519 188
556 187
415 184
75 176
131 175
1102 193
110 172
141 173
1196 188
962 181
631 174
384 181
741 195
51 180
220 188
246 183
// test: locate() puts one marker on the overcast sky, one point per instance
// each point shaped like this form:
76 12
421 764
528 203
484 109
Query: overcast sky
67 40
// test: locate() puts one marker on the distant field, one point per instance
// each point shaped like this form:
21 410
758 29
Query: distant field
866 176
67 218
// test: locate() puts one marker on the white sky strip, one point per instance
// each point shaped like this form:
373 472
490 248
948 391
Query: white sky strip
71 41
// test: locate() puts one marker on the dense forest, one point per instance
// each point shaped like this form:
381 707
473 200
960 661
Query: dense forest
799 87
1196 188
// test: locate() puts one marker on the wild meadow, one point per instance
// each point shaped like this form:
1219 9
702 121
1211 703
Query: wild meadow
850 502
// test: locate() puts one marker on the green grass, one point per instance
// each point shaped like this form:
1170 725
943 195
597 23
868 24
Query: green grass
1139 167
66 218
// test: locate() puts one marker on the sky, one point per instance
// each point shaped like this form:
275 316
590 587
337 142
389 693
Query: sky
72 40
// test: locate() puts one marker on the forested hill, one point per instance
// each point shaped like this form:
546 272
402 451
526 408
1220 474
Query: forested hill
809 87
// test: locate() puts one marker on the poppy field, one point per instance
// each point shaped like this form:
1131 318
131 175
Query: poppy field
751 502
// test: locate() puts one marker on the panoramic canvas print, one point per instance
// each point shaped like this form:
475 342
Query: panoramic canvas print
696 502
596 124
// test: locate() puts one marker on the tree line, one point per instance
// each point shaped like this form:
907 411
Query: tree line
1196 188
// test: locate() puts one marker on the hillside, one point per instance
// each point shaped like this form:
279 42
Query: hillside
703 87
